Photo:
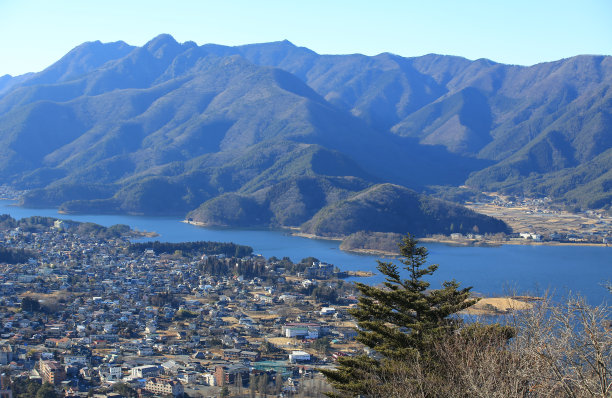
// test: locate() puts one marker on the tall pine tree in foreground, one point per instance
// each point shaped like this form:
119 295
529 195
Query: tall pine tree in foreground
399 322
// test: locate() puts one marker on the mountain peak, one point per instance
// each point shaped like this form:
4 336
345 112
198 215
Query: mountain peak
160 42
540 130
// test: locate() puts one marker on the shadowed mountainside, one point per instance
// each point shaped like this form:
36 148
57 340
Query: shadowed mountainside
273 134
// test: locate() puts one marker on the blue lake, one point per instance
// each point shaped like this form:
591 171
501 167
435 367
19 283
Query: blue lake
491 271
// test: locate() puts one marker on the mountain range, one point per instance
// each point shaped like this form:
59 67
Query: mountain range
277 135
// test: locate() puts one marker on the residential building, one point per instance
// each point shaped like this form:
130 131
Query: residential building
299 356
52 372
145 371
162 386
232 374
305 330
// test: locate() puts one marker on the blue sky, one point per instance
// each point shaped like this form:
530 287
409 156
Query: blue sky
36 33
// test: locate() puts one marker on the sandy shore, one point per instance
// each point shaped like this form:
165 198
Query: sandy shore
197 223
372 252
313 236
463 242
204 224
501 305
144 234
362 274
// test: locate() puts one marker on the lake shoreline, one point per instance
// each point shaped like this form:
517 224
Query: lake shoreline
294 231
528 269
494 243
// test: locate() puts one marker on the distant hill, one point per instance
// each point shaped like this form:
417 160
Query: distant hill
391 208
288 203
276 135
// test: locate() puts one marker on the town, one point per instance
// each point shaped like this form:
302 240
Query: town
85 311
540 220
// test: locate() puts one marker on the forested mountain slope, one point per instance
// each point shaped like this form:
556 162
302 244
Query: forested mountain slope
270 134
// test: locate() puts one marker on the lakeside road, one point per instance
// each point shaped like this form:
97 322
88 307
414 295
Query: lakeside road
495 243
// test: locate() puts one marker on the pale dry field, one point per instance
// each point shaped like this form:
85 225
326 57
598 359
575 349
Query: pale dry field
524 219
493 305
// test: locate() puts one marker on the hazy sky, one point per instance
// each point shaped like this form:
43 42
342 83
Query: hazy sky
36 33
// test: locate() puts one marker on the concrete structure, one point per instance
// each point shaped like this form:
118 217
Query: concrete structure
299 356
305 330
52 372
6 354
145 351
111 373
230 375
73 360
145 371
319 271
160 387
327 311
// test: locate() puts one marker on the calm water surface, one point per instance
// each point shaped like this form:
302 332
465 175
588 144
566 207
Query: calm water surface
497 270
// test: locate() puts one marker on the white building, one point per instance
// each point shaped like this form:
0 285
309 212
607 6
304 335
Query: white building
327 311
145 371
111 373
305 330
299 356
209 379
527 235
188 378
72 360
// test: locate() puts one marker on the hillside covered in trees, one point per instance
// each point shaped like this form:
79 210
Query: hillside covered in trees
277 135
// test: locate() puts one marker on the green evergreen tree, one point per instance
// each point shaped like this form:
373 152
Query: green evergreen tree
46 391
124 389
400 321
30 304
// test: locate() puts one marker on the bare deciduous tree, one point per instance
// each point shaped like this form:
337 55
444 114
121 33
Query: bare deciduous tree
558 350
569 347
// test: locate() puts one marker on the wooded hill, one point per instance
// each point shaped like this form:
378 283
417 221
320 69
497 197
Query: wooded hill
270 134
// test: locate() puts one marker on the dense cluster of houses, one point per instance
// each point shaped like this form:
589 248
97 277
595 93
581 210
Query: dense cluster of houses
85 314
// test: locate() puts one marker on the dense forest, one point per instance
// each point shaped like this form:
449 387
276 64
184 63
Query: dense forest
381 241
14 256
191 248
396 209
235 267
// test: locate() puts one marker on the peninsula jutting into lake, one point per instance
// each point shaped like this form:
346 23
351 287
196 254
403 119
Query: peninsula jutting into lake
493 271
275 135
